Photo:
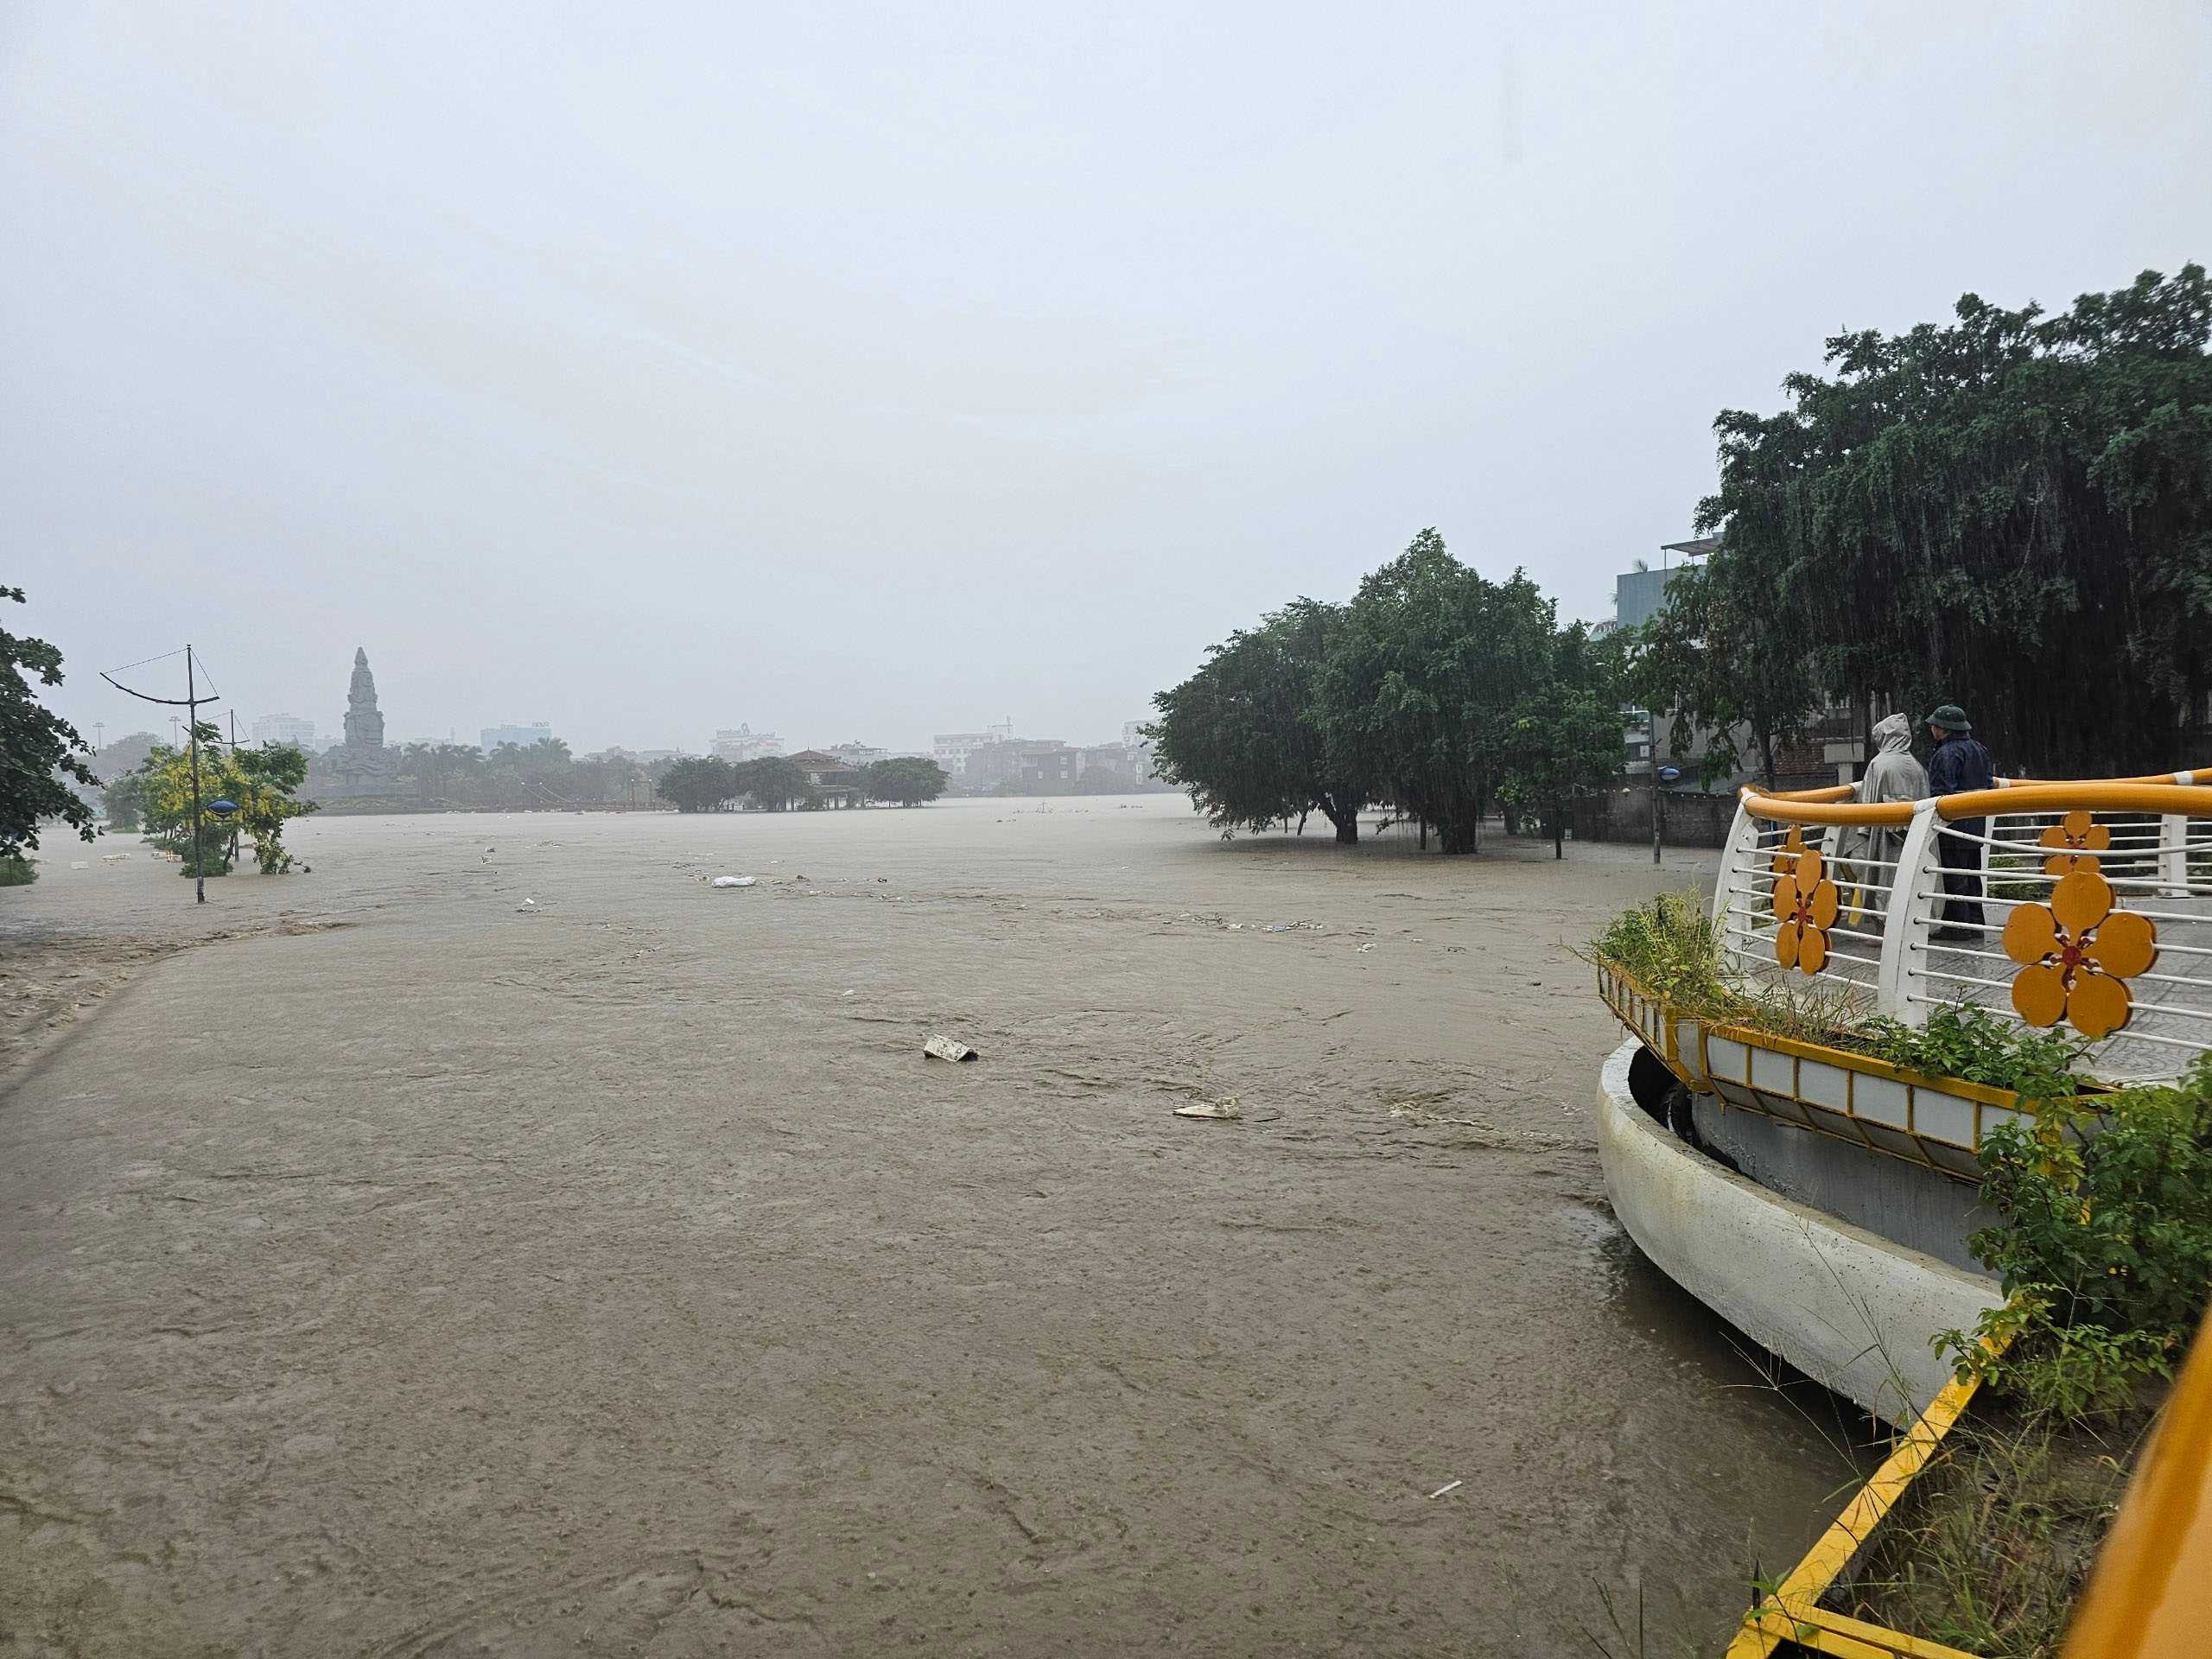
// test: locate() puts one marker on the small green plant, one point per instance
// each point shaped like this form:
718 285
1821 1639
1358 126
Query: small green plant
2104 1243
1670 948
17 871
1975 1045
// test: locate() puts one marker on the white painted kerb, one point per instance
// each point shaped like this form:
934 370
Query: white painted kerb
1844 1306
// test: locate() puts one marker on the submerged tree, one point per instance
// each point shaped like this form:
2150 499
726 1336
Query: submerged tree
906 779
773 783
1425 682
698 783
1564 739
1246 736
260 782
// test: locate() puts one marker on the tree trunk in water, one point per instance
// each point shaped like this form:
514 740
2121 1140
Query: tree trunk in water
1459 835
1345 818
1559 833
1424 834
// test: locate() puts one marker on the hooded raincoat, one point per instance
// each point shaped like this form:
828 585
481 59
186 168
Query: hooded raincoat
1892 775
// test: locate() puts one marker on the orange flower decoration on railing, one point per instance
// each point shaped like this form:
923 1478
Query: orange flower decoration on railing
1786 855
1805 906
2079 953
2079 838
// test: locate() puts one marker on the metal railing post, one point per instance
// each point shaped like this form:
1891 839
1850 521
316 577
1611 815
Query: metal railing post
1903 973
1736 861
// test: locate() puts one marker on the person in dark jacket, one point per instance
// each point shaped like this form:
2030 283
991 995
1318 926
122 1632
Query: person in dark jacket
1959 764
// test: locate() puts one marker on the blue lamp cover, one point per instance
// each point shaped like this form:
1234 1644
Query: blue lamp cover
1670 774
222 808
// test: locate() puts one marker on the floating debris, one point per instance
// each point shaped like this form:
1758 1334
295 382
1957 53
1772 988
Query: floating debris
1449 1486
732 881
943 1048
1222 1111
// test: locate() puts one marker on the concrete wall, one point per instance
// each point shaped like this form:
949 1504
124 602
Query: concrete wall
1915 1206
1688 819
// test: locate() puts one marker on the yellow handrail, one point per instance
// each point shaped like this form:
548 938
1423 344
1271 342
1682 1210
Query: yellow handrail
2193 800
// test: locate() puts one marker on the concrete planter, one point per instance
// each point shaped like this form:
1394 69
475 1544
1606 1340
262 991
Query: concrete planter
1937 1123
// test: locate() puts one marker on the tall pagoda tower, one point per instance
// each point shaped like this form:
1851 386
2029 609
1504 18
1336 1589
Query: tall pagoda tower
360 762
363 722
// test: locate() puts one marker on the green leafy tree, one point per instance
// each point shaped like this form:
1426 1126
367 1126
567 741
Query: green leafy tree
906 780
263 783
703 785
42 751
2011 511
1564 739
772 783
125 801
1246 733
1425 682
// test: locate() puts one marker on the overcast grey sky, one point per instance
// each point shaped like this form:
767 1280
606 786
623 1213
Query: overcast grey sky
875 371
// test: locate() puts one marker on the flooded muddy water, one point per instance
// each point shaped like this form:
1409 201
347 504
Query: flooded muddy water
406 1271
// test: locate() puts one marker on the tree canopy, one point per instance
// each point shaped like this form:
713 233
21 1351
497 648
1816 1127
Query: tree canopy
2012 511
42 751
772 783
906 780
699 783
1244 734
1434 688
260 781
1433 663
1564 738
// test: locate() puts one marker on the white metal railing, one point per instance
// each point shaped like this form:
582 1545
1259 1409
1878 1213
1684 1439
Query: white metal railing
2081 906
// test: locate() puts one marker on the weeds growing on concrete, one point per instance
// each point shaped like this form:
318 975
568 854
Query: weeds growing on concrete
1993 1544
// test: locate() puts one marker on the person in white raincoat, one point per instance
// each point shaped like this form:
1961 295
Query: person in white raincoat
1892 775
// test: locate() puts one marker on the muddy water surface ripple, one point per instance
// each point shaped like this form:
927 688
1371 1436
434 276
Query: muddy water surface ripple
391 1269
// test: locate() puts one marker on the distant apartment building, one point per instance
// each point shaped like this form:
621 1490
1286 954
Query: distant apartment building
1023 763
955 750
745 744
858 754
1129 763
284 728
1648 735
521 736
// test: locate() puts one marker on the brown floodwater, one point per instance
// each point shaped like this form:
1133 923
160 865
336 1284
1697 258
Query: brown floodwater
396 1271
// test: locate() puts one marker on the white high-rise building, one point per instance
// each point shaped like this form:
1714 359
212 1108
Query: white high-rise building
951 750
284 728
746 744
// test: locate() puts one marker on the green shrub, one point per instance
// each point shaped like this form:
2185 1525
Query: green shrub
2104 1245
1976 1046
17 871
1670 948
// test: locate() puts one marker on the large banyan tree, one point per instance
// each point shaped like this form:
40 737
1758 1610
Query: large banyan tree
2012 511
